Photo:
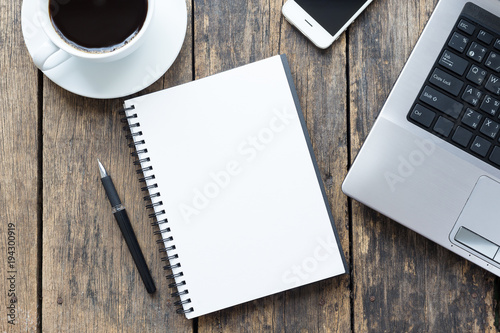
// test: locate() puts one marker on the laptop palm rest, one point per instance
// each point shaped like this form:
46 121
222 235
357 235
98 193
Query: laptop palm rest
478 227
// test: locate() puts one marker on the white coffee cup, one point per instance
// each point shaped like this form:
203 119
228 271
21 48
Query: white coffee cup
55 50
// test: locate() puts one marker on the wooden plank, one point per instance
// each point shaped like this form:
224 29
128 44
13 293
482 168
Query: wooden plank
320 79
228 34
19 212
231 34
90 283
402 281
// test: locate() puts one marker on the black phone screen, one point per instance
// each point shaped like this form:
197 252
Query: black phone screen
331 14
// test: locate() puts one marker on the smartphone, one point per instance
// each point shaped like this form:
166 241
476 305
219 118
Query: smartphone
323 21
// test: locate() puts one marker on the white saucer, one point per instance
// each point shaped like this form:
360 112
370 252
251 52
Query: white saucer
162 44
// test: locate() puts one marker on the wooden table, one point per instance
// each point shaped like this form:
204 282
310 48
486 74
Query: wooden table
73 271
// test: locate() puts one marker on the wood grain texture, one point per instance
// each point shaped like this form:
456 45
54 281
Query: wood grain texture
231 34
19 178
321 82
402 281
90 282
228 34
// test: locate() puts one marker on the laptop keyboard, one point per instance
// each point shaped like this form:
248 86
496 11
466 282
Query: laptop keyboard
460 100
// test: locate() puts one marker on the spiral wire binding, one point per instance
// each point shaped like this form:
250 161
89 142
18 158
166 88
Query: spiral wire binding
157 221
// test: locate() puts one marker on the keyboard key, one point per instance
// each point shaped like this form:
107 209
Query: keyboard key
441 102
493 84
480 146
497 44
446 82
462 136
422 115
443 126
477 52
466 27
490 128
471 118
493 62
453 62
458 42
476 75
495 155
472 95
490 105
485 37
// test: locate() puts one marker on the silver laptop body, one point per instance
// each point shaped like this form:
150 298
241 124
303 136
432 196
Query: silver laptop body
420 180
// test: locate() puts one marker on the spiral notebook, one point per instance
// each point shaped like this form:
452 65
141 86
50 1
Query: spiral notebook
235 187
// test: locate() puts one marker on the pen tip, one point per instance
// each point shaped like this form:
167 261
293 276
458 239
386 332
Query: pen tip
101 169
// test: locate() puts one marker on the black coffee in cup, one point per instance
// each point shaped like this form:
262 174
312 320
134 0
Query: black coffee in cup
98 25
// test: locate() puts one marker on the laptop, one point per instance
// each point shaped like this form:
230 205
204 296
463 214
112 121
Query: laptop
432 159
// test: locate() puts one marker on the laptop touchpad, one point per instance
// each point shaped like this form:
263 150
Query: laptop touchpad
478 227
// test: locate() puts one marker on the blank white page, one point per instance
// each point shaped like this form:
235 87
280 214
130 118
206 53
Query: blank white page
239 186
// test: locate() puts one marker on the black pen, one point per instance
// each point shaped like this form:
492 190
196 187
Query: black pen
126 228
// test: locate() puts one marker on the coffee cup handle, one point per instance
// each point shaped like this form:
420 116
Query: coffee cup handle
49 56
